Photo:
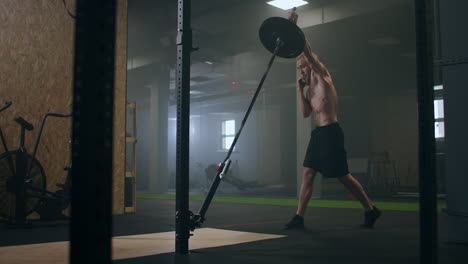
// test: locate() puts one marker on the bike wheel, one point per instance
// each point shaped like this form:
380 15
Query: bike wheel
34 187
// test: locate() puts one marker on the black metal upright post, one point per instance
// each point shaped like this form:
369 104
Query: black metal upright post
92 127
184 48
427 178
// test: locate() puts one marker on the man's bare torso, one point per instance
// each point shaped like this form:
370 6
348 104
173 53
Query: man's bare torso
323 99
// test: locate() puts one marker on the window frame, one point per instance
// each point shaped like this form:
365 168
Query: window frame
439 95
224 136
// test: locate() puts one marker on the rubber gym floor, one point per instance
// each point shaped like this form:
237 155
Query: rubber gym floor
332 234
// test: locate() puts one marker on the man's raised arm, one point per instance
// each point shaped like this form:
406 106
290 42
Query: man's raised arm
310 56
316 65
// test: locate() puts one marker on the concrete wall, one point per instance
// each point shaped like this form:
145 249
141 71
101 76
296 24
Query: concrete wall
394 130
453 47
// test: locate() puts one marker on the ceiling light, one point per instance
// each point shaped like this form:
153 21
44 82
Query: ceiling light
287 4
208 62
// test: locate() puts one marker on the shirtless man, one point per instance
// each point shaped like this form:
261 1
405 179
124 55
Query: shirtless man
325 153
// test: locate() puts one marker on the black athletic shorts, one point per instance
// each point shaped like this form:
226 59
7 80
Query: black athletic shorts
326 153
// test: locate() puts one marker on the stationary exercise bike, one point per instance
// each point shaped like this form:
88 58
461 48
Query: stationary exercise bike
23 181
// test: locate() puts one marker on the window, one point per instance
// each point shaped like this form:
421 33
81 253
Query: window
228 132
439 124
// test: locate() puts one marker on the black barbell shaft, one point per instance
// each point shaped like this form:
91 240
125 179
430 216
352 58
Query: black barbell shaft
201 213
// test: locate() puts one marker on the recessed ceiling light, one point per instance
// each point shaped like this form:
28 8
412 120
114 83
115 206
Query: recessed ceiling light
287 4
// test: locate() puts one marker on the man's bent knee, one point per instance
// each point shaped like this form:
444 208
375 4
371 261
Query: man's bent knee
346 178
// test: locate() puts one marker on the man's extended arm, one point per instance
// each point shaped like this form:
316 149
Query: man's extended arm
310 56
314 62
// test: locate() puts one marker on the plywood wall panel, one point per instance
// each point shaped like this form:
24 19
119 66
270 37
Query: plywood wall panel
36 68
120 107
36 47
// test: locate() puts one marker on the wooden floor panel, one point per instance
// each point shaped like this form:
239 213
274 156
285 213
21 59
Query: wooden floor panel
124 247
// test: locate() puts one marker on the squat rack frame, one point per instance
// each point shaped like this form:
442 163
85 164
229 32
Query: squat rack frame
427 179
